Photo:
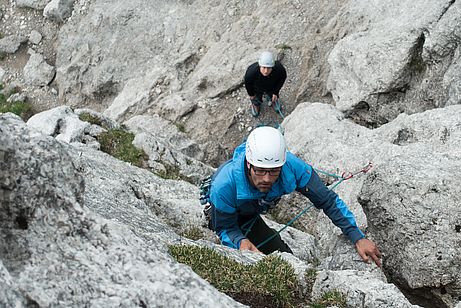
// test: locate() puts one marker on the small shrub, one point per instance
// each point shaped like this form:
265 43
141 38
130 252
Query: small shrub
118 143
180 127
14 90
331 298
22 109
310 276
269 283
193 233
171 172
92 119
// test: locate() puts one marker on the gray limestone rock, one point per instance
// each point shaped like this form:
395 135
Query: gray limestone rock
48 231
413 212
35 37
17 97
37 71
168 147
11 43
387 69
61 123
58 10
439 49
409 197
360 289
2 74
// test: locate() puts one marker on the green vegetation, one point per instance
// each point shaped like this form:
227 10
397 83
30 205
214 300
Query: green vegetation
92 119
332 298
171 172
14 90
193 233
22 109
310 277
118 143
269 283
180 127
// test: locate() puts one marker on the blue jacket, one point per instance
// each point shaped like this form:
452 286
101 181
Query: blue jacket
232 195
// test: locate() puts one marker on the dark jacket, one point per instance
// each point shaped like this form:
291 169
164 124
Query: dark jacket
232 195
257 84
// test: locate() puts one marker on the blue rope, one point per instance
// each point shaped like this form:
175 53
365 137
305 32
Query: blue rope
329 174
251 222
284 227
278 110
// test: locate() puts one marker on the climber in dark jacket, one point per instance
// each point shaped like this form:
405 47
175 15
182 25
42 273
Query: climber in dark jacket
266 76
261 171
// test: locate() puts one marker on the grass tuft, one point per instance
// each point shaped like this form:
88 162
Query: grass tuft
180 127
92 119
269 283
331 298
22 109
193 233
119 143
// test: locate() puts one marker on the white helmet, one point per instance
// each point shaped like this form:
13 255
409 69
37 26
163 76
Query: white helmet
265 148
266 59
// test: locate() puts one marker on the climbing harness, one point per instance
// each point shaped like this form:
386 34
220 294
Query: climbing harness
205 186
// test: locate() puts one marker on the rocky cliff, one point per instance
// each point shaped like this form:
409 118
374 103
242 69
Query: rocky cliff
368 81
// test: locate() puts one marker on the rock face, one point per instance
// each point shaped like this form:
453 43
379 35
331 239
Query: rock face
416 205
37 72
106 225
367 291
409 198
395 64
174 78
414 213
54 252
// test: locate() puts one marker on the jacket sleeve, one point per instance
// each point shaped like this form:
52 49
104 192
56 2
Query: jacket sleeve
281 78
226 227
224 217
250 77
335 208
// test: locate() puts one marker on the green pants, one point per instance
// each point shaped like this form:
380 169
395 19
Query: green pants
260 232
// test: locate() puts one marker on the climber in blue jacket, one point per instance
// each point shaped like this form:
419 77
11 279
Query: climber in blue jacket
252 182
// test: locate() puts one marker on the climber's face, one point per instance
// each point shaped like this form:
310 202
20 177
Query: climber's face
263 178
265 71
